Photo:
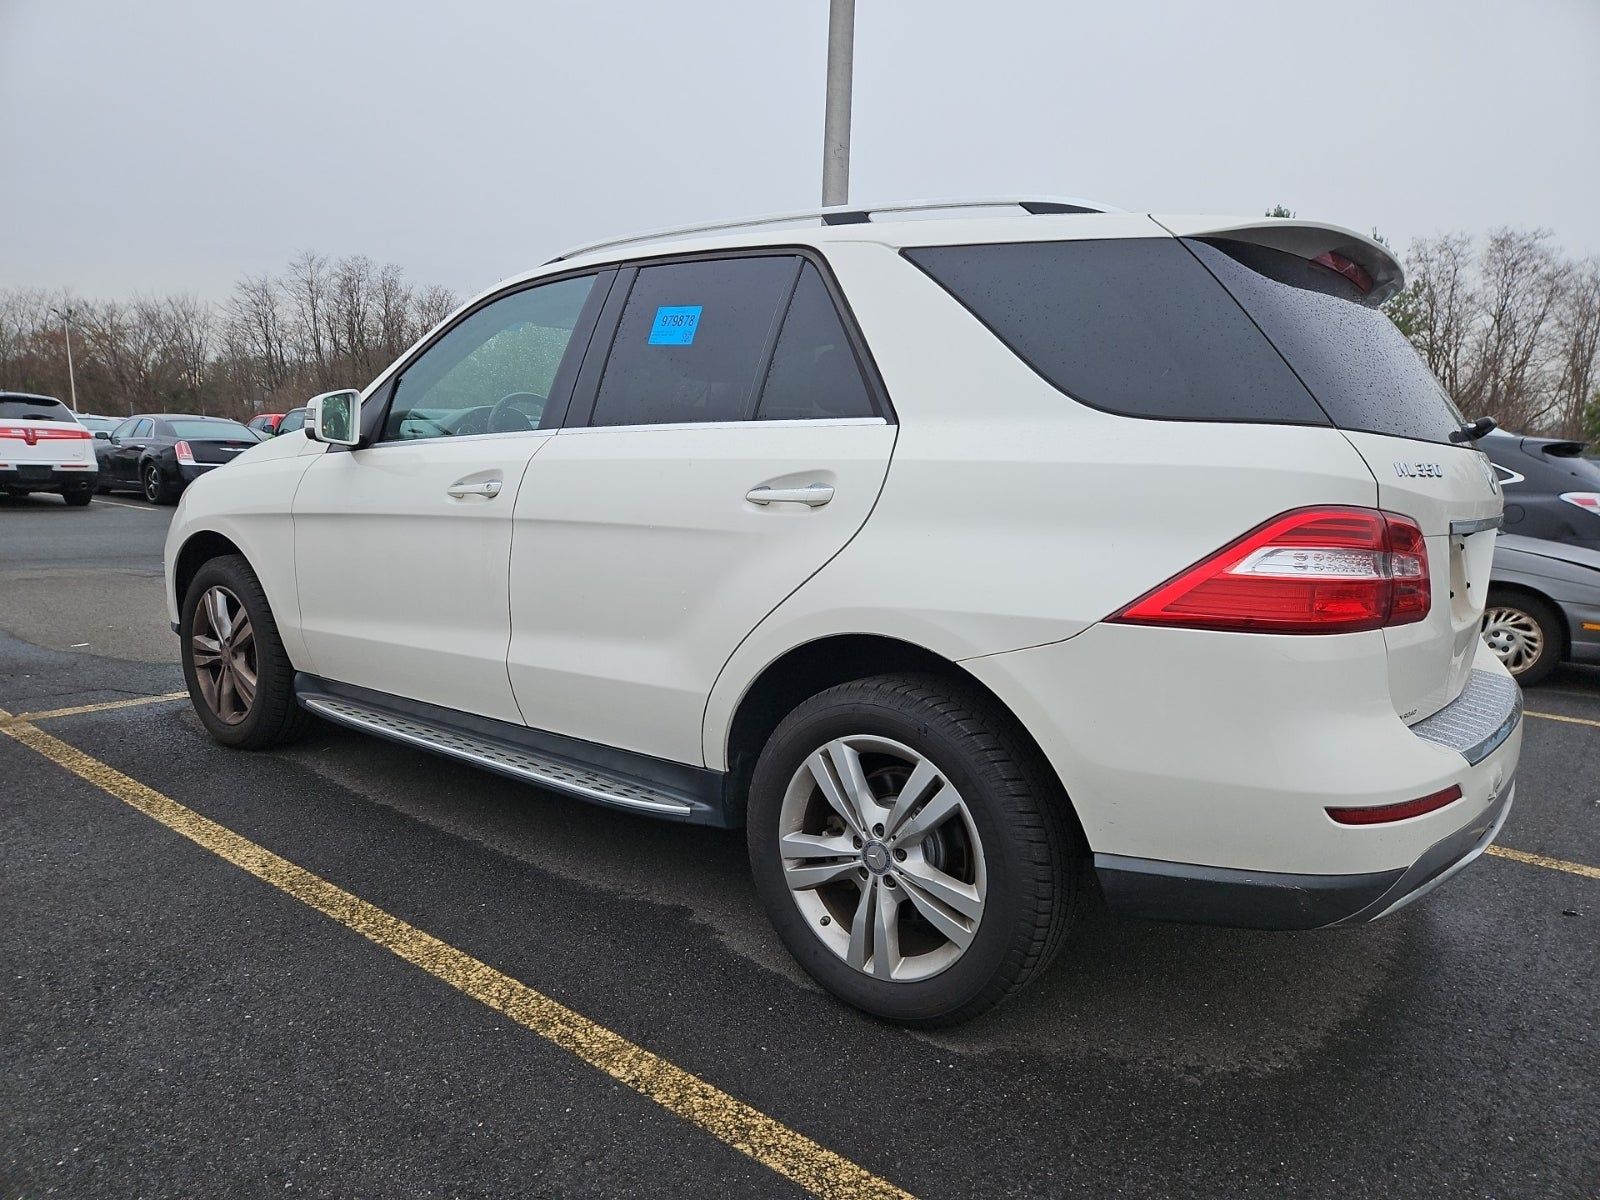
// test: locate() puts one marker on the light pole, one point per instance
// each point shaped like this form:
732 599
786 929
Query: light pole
836 119
66 325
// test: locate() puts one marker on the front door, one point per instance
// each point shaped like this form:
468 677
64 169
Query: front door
732 450
403 546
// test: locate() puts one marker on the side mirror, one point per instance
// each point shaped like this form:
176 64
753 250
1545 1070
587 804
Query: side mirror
102 435
335 418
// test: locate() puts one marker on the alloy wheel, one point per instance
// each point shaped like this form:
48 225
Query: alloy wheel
881 856
152 483
1515 636
223 646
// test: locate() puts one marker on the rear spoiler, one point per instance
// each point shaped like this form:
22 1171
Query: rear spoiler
1307 239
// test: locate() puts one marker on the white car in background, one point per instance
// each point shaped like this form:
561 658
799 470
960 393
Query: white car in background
965 561
44 448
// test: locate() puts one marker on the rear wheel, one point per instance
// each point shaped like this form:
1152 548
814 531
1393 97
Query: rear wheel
155 488
1525 632
79 497
240 679
910 848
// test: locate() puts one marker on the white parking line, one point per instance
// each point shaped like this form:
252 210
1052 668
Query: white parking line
120 504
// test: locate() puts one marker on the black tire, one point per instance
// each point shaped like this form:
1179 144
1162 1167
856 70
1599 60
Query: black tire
274 718
79 497
1037 866
1552 630
154 486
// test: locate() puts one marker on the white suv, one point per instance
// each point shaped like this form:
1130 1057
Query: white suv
975 564
44 448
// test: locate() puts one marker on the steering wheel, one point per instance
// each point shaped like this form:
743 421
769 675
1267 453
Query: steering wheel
517 413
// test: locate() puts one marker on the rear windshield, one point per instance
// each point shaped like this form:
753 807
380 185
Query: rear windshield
34 408
1132 325
1357 364
202 431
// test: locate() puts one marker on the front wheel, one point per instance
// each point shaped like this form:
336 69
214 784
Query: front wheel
240 679
1525 632
913 852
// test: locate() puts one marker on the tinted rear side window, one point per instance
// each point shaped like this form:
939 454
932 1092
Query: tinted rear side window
814 374
1357 364
692 340
1134 326
33 408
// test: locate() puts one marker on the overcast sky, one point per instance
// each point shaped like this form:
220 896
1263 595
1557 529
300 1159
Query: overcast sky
168 145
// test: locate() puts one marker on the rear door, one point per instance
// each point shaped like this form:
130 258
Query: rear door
1317 308
730 443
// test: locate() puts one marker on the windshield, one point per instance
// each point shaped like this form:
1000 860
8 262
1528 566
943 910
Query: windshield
34 408
214 431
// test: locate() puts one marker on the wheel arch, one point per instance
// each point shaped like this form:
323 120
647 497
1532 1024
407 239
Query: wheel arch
814 666
199 548
1520 587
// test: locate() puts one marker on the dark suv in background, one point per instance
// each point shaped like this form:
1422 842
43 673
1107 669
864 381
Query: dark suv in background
1552 489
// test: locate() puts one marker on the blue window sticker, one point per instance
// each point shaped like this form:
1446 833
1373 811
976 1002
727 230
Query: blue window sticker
675 325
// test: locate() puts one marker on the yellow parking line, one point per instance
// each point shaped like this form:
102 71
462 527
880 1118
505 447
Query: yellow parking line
80 709
1540 860
748 1130
1559 717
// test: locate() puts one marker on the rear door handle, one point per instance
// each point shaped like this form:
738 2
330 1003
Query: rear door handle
461 489
813 495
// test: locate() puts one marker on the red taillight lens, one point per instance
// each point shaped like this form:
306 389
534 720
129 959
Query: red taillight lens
184 454
1351 270
1383 813
1312 570
38 433
1588 500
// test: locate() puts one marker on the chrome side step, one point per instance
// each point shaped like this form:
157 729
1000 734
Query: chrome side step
518 762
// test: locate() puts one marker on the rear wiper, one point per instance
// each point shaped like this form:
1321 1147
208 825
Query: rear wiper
1471 431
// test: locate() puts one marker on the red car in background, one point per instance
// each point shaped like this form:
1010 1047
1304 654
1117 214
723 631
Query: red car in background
266 423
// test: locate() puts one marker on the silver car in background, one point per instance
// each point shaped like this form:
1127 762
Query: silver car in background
1544 606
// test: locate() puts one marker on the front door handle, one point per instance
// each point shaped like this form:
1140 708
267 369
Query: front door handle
461 489
813 495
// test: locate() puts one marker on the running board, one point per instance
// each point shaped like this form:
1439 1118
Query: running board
506 751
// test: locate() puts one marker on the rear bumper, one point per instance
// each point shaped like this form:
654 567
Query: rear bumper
48 477
1166 891
189 472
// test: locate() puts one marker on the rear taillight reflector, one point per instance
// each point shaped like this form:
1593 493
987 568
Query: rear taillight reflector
1311 570
1381 814
183 453
1588 500
35 433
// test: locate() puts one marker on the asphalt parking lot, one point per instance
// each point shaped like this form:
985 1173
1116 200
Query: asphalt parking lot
353 969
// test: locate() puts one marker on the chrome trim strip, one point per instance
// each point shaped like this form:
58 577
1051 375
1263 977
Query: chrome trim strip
1467 528
532 768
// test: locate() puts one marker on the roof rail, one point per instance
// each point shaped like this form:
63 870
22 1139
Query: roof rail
846 214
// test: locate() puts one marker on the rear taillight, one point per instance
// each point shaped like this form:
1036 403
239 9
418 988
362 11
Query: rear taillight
1351 270
35 433
1381 814
184 454
1312 570
1585 500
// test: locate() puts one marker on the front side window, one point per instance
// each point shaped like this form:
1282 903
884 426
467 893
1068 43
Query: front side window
692 340
293 420
125 429
814 373
493 371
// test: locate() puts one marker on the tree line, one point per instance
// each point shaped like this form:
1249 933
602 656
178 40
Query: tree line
273 343
1509 324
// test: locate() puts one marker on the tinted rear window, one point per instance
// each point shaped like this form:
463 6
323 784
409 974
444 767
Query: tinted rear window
1134 326
202 431
33 408
1357 364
